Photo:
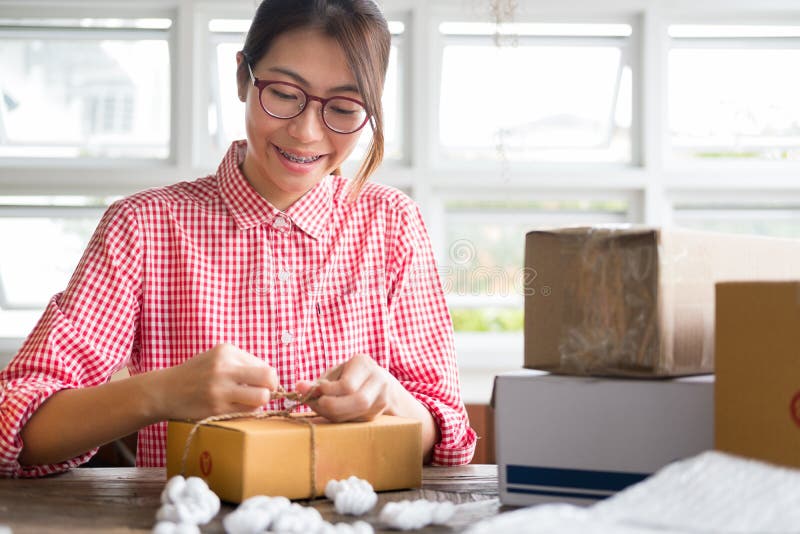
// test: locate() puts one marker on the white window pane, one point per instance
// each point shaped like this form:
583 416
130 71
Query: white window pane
734 103
482 269
775 222
84 97
32 274
534 103
226 112
392 128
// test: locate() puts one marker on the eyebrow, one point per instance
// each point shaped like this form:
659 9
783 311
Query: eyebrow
299 79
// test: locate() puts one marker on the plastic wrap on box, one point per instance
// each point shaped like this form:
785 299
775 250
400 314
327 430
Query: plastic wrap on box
635 301
616 282
709 493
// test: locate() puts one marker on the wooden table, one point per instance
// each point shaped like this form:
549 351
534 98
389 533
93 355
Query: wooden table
126 500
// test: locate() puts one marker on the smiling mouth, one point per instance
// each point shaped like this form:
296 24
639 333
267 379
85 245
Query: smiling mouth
295 158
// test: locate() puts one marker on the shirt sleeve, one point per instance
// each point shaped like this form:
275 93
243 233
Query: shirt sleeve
85 334
421 338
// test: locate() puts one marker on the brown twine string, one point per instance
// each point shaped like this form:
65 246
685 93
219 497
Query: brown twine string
285 414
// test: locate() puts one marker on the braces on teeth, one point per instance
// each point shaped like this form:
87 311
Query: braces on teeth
298 159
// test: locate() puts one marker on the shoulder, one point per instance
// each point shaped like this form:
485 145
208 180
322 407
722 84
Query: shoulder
373 197
199 194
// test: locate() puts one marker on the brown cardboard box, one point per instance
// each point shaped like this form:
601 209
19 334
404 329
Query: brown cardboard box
246 457
757 394
628 301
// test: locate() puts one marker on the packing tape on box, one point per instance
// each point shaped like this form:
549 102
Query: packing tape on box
609 330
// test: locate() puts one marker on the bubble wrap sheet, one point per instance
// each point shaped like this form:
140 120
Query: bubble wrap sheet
709 493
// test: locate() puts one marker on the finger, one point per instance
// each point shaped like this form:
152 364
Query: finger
313 404
352 377
307 388
363 404
251 397
334 373
236 408
260 375
236 355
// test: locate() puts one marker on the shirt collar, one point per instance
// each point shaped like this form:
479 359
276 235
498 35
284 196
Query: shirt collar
311 213
249 209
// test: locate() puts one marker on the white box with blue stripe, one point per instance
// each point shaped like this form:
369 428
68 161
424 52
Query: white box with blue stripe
580 439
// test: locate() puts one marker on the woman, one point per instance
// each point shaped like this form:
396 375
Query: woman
267 274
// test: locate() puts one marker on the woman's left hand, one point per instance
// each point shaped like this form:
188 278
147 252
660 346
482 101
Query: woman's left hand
356 390
360 390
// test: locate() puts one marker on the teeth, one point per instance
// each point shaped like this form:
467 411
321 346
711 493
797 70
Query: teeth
297 159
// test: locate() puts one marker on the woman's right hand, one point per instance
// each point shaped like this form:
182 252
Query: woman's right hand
224 379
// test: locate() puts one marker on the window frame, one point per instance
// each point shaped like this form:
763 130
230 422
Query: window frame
654 185
36 169
679 165
623 43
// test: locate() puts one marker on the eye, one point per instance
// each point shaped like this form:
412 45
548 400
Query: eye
344 107
279 93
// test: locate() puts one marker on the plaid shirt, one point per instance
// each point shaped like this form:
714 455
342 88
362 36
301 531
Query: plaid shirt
170 272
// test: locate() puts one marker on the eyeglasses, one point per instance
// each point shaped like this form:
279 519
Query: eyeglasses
284 100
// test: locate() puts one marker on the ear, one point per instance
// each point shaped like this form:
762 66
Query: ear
241 80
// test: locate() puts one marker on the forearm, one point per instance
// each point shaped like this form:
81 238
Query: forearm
74 421
405 405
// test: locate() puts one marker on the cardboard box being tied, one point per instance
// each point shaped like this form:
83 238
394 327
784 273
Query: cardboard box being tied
246 457
635 301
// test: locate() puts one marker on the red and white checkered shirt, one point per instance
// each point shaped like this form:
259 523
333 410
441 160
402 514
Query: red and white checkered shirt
170 272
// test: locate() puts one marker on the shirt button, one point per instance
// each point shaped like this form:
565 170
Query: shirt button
283 276
281 223
287 337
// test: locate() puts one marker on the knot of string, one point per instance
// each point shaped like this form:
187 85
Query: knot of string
286 414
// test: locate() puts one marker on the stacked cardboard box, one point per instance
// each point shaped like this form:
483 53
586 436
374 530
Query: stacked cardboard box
757 400
579 439
605 303
628 301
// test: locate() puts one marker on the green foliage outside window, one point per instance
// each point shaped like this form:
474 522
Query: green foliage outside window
487 319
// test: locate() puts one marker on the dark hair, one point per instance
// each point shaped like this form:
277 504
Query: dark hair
360 29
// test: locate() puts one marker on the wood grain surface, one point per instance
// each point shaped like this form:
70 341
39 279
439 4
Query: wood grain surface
126 500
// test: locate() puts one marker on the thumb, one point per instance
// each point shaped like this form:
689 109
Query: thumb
304 386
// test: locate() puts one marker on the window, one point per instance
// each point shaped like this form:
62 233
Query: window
775 219
565 113
85 88
732 94
482 268
542 92
48 236
226 112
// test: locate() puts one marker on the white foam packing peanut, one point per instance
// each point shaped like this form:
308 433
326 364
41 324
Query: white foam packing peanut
298 519
166 527
359 527
351 496
187 501
408 515
277 514
255 515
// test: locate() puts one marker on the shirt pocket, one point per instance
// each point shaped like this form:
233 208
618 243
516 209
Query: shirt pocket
350 324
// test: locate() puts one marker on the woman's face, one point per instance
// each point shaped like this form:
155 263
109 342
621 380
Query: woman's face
287 157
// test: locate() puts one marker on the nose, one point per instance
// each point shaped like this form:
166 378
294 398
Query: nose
308 126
